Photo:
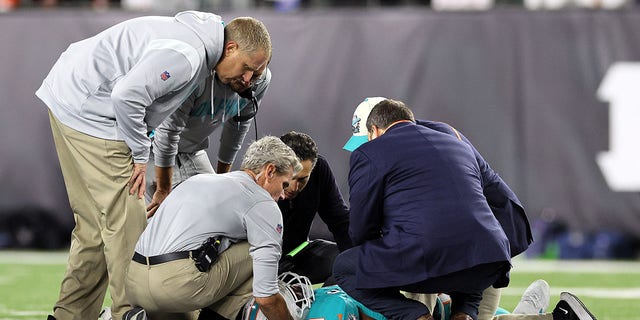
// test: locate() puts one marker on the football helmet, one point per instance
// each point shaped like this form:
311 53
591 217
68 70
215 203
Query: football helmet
297 293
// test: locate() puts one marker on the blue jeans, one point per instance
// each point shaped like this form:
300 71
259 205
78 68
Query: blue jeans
465 288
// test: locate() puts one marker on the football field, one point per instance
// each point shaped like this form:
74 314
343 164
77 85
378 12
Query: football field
29 284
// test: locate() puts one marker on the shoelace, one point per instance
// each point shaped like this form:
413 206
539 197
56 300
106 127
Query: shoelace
534 299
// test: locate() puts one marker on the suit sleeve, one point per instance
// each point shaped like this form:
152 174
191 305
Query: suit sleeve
491 179
488 175
505 205
366 191
332 209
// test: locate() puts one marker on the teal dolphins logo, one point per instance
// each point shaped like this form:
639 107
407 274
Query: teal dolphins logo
355 124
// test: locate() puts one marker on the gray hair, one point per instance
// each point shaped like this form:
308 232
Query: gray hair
272 150
250 34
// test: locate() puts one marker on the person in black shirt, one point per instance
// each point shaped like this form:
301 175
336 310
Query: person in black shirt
312 191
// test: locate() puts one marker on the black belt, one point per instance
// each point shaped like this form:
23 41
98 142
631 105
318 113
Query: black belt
164 257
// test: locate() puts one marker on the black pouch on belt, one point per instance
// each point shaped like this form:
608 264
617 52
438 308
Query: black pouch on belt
207 254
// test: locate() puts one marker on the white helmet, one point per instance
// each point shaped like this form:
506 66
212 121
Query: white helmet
297 293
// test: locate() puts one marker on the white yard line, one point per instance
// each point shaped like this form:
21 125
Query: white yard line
24 313
519 264
33 257
574 266
21 313
592 292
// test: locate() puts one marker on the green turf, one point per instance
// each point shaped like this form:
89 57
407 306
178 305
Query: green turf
29 290
609 308
30 282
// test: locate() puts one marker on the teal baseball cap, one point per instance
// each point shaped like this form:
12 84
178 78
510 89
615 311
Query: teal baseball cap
359 123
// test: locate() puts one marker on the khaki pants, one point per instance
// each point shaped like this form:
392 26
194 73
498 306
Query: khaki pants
489 304
546 316
428 299
108 222
177 289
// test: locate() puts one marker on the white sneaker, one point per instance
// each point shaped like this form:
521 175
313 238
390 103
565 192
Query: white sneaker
105 314
535 299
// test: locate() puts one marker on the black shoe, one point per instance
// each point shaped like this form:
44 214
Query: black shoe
571 308
137 313
208 314
50 317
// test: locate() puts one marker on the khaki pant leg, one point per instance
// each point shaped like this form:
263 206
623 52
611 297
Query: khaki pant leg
85 281
170 288
428 299
235 271
230 305
123 224
546 316
175 289
489 304
108 222
137 286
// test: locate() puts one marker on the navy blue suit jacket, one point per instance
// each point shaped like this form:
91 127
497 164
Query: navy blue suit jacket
418 209
504 203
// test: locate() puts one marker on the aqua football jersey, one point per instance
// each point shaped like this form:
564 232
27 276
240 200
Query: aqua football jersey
332 303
